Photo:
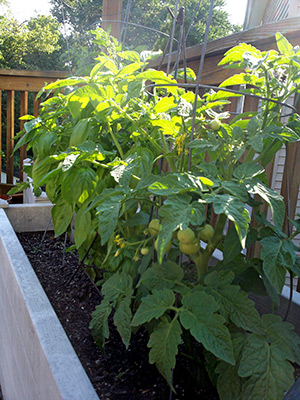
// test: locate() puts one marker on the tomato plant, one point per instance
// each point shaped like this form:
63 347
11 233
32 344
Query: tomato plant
97 146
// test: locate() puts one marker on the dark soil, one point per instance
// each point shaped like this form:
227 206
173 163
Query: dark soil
118 374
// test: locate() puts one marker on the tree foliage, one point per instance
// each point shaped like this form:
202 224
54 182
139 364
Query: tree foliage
34 44
85 15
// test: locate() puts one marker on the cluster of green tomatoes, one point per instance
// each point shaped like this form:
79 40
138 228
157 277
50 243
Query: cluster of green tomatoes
189 241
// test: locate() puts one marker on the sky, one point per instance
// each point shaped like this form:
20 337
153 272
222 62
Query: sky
24 9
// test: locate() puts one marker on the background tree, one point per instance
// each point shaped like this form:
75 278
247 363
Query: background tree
34 44
86 14
81 16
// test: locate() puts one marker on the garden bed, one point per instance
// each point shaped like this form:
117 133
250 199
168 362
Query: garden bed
37 360
117 374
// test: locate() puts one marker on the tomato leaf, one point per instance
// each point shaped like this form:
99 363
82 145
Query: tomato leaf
233 302
62 214
161 276
122 318
153 306
235 210
99 323
108 212
200 317
164 342
273 257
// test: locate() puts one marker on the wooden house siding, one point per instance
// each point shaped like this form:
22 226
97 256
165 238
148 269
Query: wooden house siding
276 10
261 12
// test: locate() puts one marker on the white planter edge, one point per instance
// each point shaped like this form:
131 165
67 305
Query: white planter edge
37 360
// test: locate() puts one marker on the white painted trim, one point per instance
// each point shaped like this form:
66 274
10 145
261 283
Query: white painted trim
286 293
37 360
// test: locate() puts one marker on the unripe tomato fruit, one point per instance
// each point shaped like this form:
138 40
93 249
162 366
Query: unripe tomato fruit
190 248
206 233
154 227
169 245
144 251
186 236
215 124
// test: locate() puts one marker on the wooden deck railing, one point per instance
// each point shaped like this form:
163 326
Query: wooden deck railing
25 82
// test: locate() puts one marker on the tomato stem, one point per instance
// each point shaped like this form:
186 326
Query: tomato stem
203 260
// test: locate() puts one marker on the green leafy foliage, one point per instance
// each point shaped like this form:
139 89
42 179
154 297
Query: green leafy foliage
275 260
235 210
34 44
161 276
114 157
99 323
233 302
199 316
62 214
108 212
122 318
164 343
153 306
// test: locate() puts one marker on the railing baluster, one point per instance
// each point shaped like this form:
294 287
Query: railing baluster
36 105
10 135
23 111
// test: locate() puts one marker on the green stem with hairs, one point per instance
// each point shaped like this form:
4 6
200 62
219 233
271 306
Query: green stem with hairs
138 129
200 265
166 150
268 94
204 257
116 142
250 155
266 151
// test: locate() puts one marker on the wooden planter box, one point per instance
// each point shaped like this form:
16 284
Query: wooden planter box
37 361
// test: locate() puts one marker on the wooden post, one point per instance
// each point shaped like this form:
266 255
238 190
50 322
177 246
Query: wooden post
23 111
9 136
112 10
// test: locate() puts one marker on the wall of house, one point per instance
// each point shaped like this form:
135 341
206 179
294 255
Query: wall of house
294 10
260 12
276 10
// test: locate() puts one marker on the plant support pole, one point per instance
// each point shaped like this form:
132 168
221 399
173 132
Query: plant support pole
172 38
211 7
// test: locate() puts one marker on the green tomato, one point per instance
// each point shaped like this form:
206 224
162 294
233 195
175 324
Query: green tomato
186 236
168 248
154 227
206 233
190 248
144 251
215 124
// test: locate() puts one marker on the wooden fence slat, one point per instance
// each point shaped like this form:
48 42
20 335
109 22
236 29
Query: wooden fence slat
112 10
23 111
10 135
36 105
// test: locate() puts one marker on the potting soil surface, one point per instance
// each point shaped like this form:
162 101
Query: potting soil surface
119 373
